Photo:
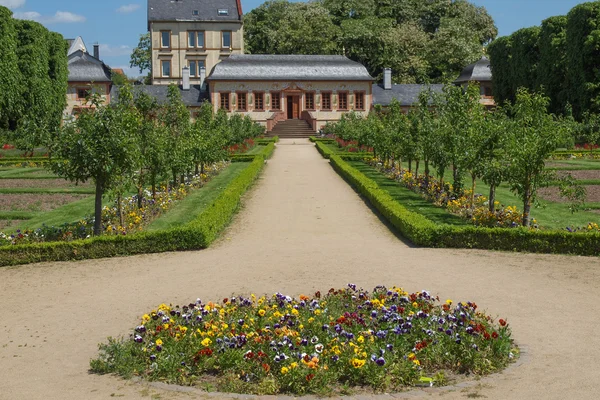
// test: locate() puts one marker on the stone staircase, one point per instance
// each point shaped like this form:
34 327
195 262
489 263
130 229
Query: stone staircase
292 129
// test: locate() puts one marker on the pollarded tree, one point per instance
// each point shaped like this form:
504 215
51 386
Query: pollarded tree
209 143
534 135
425 120
552 69
99 145
9 71
58 71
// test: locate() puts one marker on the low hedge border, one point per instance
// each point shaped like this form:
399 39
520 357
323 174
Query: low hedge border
197 234
423 232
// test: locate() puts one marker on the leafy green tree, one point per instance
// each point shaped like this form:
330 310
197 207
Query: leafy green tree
9 71
208 144
141 56
500 63
535 134
176 119
58 71
583 58
552 69
99 145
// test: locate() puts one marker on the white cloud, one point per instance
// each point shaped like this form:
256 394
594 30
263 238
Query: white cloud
107 50
60 17
12 3
128 8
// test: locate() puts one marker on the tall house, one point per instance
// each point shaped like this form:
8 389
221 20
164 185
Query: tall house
196 34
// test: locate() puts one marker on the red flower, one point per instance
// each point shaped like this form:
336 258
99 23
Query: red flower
502 322
318 295
309 377
495 335
266 367
486 335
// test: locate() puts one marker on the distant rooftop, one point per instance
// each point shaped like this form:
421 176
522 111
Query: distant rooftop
83 67
479 71
406 94
194 10
250 67
191 98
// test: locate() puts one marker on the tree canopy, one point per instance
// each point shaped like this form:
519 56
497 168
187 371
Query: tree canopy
422 41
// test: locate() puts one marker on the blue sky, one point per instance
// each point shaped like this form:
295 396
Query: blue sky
117 24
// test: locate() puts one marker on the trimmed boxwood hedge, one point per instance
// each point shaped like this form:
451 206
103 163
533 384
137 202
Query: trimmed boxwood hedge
423 232
197 234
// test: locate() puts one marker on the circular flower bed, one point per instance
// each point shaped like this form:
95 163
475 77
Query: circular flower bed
387 340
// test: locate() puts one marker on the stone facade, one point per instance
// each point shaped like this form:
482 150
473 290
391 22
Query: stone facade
181 51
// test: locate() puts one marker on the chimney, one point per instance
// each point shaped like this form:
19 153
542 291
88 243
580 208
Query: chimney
97 51
387 78
186 78
202 77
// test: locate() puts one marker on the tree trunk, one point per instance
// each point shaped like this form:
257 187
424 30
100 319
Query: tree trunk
197 169
409 165
98 208
492 200
201 168
120 209
140 194
174 179
153 183
526 207
416 167
472 189
427 171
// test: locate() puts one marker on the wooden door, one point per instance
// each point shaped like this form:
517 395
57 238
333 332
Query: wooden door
296 107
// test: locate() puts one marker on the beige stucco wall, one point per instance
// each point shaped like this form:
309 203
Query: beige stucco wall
292 88
180 55
73 102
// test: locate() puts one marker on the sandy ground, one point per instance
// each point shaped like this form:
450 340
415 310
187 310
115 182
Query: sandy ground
302 229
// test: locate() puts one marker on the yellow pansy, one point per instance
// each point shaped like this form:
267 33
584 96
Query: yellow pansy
159 342
285 370
356 363
261 312
206 342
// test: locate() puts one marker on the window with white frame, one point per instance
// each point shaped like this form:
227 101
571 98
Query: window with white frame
165 39
165 68
226 39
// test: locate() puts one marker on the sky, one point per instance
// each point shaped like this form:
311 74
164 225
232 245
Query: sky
117 24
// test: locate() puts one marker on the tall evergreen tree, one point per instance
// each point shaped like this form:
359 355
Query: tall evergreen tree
9 70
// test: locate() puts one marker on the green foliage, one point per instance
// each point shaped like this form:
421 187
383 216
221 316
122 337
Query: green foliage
198 234
141 56
420 41
500 63
10 88
583 57
552 68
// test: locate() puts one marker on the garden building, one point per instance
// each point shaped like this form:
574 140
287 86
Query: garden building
481 73
87 74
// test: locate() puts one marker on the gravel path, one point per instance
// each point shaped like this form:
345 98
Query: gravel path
302 229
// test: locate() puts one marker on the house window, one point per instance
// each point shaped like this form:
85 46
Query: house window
193 68
224 100
195 39
359 101
259 101
326 101
242 102
195 12
309 101
223 12
343 101
166 68
165 39
275 101
226 39
83 93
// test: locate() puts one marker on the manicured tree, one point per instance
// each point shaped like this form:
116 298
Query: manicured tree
525 58
99 145
9 71
36 96
494 162
535 135
58 71
208 143
176 119
152 139
500 63
552 68
425 120
583 58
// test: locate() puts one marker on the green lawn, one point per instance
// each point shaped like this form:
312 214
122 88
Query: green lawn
409 199
66 190
196 202
574 164
26 173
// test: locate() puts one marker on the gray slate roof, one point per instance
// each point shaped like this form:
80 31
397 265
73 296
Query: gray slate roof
250 67
406 94
191 98
83 67
479 72
183 10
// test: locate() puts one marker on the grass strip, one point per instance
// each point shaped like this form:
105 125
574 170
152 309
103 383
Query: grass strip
73 190
195 203
197 234
409 199
7 215
423 232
